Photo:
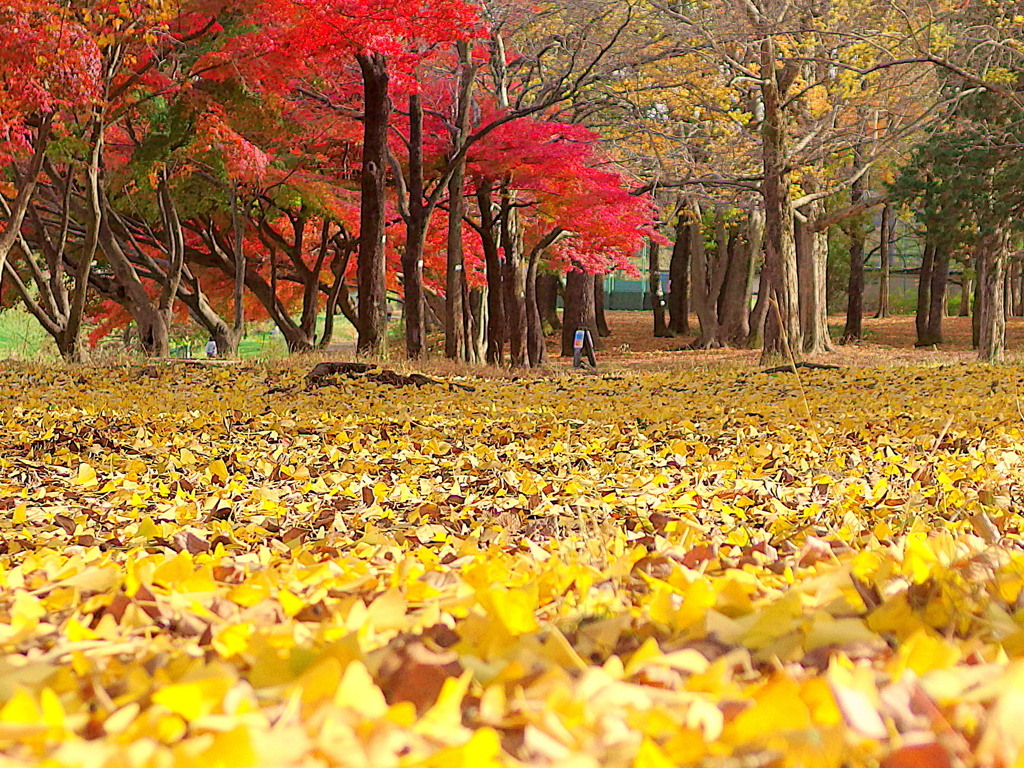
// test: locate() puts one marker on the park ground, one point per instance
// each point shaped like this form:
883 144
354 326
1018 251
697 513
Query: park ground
678 560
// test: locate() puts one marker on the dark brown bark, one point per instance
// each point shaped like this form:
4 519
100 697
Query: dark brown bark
937 308
602 320
679 278
548 287
884 239
579 309
924 295
854 329
514 281
654 283
416 233
371 265
734 300
493 269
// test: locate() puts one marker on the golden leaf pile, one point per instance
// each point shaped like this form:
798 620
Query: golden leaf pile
708 568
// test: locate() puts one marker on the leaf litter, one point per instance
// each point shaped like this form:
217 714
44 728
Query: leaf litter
707 568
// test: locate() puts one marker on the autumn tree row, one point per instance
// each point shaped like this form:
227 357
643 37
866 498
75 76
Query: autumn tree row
234 159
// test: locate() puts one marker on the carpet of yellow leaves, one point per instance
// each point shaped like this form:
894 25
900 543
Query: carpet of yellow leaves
710 567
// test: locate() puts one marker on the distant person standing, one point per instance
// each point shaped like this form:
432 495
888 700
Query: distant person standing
211 348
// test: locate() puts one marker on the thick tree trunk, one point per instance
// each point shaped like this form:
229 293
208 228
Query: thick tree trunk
579 309
548 287
654 283
782 336
602 320
734 301
812 265
924 295
372 214
679 278
991 293
937 307
885 237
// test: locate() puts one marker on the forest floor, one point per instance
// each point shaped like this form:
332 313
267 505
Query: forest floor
222 565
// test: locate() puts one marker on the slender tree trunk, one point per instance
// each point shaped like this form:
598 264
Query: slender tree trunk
493 271
456 294
371 266
991 290
782 324
476 340
335 302
602 320
981 263
654 283
579 308
18 209
238 296
415 237
704 283
679 278
924 295
966 290
536 351
514 281
854 328
884 240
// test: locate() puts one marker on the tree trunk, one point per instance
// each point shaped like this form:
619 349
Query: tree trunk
884 240
812 264
991 291
371 266
476 340
704 270
602 321
854 328
17 210
937 308
924 295
782 336
548 286
535 349
493 271
654 283
579 308
415 237
734 301
966 289
514 281
679 278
